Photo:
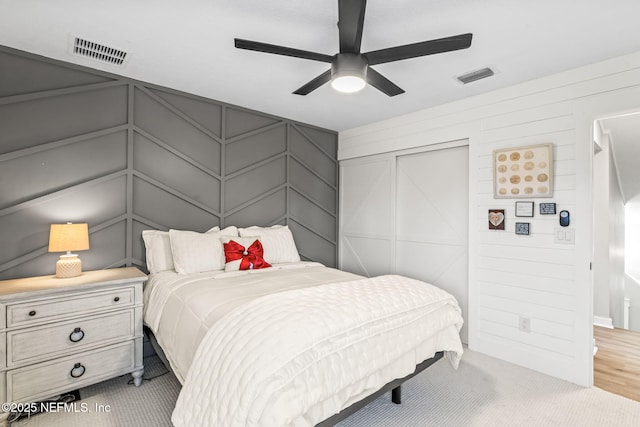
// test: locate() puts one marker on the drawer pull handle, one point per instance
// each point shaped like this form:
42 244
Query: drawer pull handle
76 335
77 371
32 313
116 299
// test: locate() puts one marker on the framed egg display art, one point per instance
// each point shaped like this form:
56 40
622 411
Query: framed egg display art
523 172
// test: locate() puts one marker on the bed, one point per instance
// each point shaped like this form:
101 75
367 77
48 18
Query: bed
293 343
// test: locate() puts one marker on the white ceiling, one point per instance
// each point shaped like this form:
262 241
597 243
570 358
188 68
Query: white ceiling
188 45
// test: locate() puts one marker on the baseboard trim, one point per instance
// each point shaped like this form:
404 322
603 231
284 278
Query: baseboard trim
605 322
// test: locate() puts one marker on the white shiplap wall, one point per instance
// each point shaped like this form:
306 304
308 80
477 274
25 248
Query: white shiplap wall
531 276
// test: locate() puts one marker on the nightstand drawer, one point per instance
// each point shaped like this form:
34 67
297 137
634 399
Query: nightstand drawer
48 379
40 343
37 311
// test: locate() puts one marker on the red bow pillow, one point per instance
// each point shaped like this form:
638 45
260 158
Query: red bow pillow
243 253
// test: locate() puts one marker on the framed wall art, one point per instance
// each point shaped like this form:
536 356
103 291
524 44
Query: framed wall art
522 228
496 219
524 209
547 208
523 172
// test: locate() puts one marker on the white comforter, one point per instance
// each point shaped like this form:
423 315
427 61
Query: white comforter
180 309
297 357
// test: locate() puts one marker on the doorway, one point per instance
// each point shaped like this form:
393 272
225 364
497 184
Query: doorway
616 252
616 230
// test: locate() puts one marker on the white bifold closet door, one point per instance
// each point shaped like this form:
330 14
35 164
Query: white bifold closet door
407 213
432 211
367 194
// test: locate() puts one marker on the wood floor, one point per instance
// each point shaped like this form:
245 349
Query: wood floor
617 362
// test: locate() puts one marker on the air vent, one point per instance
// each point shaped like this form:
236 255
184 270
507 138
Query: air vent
475 75
98 52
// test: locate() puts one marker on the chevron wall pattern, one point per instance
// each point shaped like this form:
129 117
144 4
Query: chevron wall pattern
82 145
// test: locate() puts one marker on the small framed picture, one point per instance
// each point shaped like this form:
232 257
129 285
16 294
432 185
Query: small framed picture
522 228
547 208
524 209
496 219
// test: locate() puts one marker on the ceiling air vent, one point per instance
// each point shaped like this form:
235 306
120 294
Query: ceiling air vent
98 52
476 75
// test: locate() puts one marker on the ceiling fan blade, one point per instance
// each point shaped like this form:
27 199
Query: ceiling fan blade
350 23
461 41
382 83
314 84
281 50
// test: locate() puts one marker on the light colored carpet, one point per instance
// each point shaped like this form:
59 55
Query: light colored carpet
483 392
150 404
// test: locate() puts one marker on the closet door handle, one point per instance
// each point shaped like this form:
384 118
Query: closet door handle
76 335
78 370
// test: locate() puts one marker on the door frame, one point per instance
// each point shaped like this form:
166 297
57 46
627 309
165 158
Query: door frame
586 112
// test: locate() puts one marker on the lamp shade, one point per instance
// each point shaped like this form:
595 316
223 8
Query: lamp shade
68 237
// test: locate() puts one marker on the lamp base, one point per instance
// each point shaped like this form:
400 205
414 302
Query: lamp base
68 265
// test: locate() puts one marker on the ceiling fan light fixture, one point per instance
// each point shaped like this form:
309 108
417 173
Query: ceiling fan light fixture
349 72
348 84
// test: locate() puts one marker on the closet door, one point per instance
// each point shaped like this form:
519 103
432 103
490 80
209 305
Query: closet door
432 199
367 195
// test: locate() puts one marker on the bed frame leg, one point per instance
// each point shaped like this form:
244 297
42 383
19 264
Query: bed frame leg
396 395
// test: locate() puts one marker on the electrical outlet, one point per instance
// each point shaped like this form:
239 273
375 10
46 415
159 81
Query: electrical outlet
524 324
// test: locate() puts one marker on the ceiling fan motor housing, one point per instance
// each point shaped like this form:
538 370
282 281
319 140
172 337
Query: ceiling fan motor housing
349 64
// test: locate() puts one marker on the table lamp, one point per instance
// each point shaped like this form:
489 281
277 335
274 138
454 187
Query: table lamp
66 238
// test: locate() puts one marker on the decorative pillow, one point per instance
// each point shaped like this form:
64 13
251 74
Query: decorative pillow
195 252
277 242
243 253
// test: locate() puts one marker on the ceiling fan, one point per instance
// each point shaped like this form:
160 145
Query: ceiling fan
350 69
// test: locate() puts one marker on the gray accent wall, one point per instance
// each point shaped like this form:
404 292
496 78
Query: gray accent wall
82 145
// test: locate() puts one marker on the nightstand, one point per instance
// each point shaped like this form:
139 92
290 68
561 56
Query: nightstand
58 335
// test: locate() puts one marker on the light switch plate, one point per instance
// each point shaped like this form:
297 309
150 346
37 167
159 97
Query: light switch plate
565 235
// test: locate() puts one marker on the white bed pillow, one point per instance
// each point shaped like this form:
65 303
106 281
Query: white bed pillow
246 242
195 252
277 242
158 249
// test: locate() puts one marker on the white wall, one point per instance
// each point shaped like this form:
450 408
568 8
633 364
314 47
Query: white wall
632 239
632 263
616 223
510 275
